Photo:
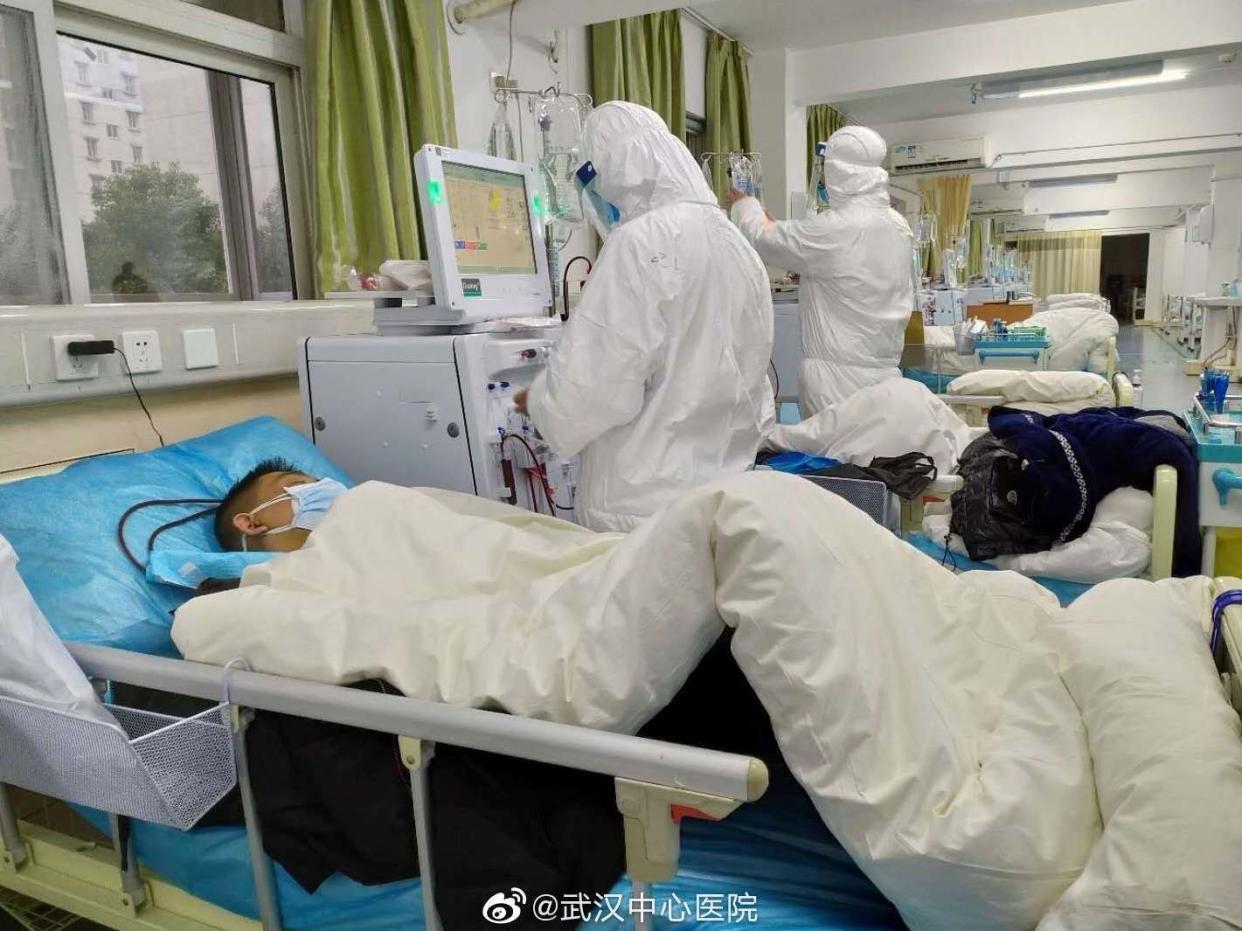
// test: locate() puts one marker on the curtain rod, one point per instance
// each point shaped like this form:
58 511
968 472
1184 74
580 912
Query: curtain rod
712 27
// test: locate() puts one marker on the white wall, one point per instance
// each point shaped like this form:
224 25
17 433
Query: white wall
1155 275
1174 261
694 62
484 48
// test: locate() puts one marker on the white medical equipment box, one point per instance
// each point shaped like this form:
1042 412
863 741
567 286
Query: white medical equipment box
787 342
943 307
434 411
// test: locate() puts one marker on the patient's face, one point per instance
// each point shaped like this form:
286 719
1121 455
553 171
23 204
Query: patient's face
258 519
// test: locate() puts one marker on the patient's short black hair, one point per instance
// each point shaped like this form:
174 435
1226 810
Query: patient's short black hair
234 502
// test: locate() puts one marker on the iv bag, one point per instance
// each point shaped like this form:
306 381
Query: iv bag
560 123
500 139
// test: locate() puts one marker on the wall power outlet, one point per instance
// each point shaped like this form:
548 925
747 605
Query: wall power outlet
142 351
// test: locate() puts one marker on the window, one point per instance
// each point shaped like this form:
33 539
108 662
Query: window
97 183
177 219
92 148
84 74
269 13
262 157
131 84
114 131
108 93
88 112
101 55
31 256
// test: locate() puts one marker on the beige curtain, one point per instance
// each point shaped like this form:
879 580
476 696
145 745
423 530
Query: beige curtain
1062 263
948 197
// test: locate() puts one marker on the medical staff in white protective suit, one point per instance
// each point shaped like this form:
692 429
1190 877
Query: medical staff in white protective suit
855 263
660 379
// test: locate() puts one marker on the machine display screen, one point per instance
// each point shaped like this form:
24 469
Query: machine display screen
491 221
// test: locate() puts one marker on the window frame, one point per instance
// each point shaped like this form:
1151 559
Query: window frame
195 36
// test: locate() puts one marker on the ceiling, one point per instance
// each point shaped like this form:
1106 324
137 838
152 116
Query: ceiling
951 99
766 24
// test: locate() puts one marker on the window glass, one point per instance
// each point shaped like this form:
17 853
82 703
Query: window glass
152 231
275 278
31 257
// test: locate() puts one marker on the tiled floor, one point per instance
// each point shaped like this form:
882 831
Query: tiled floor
1165 386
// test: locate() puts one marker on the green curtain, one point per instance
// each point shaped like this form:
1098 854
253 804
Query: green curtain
728 105
639 59
822 121
379 89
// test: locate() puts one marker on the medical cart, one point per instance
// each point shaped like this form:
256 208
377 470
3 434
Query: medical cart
1219 437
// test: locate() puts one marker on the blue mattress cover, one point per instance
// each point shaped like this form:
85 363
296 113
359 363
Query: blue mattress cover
939 384
1065 590
63 527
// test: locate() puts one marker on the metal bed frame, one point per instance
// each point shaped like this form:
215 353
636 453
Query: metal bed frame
657 783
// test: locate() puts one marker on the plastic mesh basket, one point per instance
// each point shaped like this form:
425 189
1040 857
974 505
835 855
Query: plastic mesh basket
871 497
148 766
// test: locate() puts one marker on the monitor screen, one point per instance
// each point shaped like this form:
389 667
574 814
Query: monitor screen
491 221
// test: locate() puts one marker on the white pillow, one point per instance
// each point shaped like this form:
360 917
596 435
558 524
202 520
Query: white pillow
1167 754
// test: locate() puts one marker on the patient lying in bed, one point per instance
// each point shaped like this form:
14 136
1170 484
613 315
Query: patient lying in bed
273 508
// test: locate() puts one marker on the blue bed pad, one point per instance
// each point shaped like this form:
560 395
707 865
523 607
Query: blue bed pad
1065 590
63 528
939 384
776 850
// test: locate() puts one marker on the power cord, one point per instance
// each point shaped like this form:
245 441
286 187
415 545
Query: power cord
103 347
138 394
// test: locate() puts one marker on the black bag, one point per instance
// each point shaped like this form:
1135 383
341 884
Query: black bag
987 510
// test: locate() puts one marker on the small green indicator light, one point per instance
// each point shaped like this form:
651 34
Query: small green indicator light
538 202
435 190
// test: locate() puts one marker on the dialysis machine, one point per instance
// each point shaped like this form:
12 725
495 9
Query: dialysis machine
429 401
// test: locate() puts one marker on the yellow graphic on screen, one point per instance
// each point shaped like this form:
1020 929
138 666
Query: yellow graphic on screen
491 221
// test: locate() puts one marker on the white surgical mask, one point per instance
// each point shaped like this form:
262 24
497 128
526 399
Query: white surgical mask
310 503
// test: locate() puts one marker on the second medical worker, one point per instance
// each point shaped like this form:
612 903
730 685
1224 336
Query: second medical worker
855 262
659 380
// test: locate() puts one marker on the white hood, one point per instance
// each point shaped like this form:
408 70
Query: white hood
639 164
852 168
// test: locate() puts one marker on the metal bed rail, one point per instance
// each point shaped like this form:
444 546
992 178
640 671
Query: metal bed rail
657 783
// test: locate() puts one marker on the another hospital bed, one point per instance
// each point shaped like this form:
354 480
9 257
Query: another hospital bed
219 878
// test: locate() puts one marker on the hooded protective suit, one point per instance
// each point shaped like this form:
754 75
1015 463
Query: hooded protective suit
659 380
855 263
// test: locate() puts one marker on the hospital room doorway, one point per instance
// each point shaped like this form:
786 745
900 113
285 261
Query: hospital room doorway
1123 274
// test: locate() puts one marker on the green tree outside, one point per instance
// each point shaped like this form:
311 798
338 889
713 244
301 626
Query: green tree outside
154 231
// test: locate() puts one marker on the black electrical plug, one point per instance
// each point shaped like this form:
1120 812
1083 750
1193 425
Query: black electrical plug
91 347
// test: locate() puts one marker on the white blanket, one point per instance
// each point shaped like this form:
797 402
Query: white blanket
889 419
1117 545
923 712
1041 392
1078 339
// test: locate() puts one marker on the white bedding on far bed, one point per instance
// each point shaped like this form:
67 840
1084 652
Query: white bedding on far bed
925 713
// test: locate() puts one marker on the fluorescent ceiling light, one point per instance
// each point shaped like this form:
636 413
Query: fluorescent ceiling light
1070 180
1082 81
1075 214
1165 77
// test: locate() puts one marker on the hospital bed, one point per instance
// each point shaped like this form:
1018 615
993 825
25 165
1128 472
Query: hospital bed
155 876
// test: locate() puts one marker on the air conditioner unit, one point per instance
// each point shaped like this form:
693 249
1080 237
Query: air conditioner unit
1032 224
912 158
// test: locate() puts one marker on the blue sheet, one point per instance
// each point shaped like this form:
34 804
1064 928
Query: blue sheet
63 528
938 384
776 851
1065 590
